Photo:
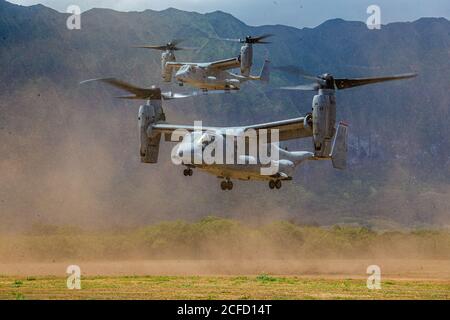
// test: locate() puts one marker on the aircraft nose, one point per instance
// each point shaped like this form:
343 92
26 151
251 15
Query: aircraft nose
177 156
183 154
180 75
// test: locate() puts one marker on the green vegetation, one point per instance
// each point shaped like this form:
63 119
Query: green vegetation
215 238
151 287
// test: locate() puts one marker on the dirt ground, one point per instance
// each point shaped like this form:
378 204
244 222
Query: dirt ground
393 269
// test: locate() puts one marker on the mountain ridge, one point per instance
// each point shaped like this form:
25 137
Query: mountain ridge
61 139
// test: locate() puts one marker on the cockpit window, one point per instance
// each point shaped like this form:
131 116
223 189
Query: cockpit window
207 138
185 68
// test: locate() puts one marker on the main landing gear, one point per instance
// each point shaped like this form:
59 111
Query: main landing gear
226 185
275 184
188 172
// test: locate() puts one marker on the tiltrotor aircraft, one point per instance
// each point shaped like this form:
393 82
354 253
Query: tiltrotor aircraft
210 75
329 143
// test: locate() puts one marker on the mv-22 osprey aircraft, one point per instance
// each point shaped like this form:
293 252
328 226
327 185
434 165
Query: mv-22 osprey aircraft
329 143
211 75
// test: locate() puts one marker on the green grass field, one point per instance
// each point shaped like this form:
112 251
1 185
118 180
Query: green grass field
218 258
219 287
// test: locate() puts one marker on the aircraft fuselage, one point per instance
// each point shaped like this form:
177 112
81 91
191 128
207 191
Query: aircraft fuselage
206 79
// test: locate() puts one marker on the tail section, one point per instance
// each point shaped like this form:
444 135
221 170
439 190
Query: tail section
339 148
265 72
264 75
295 156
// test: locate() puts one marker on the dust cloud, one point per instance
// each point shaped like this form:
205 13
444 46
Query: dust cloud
72 188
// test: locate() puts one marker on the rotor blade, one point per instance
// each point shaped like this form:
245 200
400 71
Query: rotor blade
255 40
262 37
305 87
350 83
186 48
139 93
128 98
296 70
162 48
171 95
229 39
171 45
290 69
174 42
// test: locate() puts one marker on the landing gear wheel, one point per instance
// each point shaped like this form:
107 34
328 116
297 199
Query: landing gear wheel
278 184
224 185
190 172
187 172
272 184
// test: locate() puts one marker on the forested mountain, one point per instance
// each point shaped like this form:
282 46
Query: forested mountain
69 153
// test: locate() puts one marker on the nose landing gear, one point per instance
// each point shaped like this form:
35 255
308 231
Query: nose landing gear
226 185
188 172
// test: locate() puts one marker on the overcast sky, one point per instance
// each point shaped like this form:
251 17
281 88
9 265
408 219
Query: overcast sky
297 13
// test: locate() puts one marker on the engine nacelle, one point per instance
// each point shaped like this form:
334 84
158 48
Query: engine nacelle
166 72
324 120
149 140
246 59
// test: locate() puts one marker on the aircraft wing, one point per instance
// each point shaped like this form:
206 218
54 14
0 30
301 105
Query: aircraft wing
225 64
288 129
177 65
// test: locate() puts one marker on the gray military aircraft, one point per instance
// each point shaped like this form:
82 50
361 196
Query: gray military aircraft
329 143
210 75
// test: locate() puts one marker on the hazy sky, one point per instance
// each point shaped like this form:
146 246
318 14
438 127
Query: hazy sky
298 13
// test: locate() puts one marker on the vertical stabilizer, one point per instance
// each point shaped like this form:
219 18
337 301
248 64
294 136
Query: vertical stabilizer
339 149
265 72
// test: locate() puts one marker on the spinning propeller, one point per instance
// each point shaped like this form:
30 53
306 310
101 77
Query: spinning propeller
153 93
170 46
140 93
250 39
328 81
